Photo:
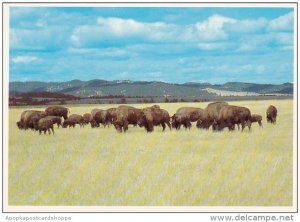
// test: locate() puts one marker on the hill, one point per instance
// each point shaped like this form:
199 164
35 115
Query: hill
129 88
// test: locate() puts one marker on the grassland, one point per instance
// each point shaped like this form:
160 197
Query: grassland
100 167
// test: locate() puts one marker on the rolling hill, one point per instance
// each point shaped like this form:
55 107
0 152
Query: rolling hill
129 88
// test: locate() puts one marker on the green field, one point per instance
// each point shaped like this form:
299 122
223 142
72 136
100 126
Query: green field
100 167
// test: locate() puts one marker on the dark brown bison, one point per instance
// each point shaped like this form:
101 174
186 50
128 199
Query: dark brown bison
256 118
210 113
192 112
271 114
230 115
73 120
29 119
98 116
86 118
57 111
179 119
153 116
45 124
111 115
126 115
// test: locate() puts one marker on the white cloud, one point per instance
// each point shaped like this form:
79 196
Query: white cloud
212 46
112 29
282 23
212 28
246 26
24 59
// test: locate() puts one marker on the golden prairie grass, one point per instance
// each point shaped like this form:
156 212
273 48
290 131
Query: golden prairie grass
100 167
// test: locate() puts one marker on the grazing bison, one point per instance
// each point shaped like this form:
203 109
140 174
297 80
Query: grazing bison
192 112
98 116
153 116
111 115
55 120
210 113
179 119
271 114
230 115
29 119
73 120
256 118
45 124
86 118
126 115
57 111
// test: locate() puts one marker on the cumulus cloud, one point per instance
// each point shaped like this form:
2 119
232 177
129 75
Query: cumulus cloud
212 28
109 30
24 59
282 23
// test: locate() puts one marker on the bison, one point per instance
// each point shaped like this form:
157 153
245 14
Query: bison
126 115
55 120
57 111
73 120
230 115
256 118
86 118
210 113
111 115
153 116
29 119
179 119
271 114
45 124
192 112
98 116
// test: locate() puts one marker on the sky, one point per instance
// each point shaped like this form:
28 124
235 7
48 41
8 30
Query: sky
170 44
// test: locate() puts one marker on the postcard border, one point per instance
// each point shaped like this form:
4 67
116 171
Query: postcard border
159 3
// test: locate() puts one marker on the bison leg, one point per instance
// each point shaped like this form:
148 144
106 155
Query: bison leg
169 125
52 130
163 126
150 127
260 123
125 126
40 131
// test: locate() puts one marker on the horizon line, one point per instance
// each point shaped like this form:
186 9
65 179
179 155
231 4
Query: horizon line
124 80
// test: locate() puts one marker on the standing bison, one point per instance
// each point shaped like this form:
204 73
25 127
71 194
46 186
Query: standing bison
111 115
192 112
271 114
126 115
86 118
55 120
256 118
98 116
58 111
154 116
73 120
45 124
210 113
179 119
230 115
29 119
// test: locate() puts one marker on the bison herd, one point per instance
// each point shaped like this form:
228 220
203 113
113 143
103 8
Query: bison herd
218 115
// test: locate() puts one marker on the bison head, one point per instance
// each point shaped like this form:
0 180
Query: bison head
65 124
118 125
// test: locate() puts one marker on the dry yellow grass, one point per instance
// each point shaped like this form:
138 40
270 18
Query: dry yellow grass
173 168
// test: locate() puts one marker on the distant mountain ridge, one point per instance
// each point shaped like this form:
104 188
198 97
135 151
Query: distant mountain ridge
99 87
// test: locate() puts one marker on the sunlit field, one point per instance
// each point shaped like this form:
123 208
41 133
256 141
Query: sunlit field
101 167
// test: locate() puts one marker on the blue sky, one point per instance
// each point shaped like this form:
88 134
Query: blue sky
176 45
